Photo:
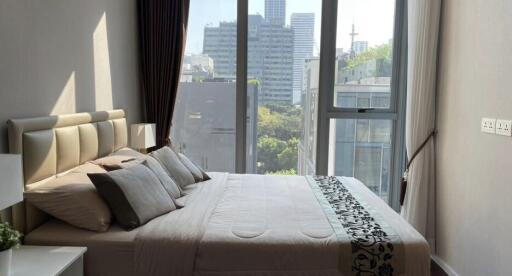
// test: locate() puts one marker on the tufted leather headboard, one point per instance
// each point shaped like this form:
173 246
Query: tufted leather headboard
54 145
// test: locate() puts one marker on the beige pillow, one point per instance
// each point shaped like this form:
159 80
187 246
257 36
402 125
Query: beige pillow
128 152
87 168
112 160
72 198
119 159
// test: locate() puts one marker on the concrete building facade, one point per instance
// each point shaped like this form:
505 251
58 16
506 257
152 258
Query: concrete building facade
208 136
303 27
270 56
275 12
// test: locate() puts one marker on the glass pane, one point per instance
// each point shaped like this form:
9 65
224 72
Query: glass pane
205 111
283 59
364 53
362 149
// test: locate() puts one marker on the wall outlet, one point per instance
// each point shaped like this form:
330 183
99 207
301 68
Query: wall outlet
504 127
488 125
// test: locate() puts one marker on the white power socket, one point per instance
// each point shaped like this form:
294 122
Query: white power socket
504 127
488 125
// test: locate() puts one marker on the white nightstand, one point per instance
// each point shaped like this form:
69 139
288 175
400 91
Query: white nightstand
48 261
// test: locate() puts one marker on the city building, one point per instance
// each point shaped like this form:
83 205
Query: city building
270 56
197 68
207 136
219 43
275 12
303 26
270 60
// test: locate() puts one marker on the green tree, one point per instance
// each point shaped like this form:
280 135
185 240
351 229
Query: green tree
382 52
268 150
254 82
279 121
279 130
288 157
284 172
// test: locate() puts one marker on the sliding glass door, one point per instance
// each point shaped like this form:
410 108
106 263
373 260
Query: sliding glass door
283 41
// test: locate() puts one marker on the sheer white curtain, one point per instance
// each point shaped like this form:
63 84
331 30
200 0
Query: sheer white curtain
423 33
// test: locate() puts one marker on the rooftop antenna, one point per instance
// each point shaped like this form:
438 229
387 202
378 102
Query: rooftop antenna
353 35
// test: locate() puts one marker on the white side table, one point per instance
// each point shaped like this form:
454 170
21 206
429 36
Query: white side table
48 261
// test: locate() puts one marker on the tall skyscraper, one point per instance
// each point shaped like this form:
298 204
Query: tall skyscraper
303 26
270 56
219 43
275 12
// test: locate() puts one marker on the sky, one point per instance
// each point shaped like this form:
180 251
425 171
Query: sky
373 19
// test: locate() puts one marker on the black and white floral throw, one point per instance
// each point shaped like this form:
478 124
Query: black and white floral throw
374 246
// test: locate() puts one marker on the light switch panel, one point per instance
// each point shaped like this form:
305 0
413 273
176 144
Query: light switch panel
504 127
488 125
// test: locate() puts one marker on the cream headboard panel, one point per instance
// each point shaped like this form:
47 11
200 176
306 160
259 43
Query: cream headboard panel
56 144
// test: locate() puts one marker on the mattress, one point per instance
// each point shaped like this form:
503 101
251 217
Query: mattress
250 225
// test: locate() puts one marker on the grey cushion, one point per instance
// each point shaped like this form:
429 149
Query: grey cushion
135 195
194 170
170 186
174 167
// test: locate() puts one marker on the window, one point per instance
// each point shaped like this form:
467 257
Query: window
205 111
251 97
283 66
362 149
365 112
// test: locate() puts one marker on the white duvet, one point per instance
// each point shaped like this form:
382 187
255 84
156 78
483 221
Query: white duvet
262 225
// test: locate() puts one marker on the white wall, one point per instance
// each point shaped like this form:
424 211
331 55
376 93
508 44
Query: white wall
474 185
69 56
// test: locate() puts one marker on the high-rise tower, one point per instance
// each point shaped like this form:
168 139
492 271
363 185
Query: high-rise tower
303 26
275 11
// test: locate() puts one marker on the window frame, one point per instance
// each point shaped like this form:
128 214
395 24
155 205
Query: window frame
326 106
327 110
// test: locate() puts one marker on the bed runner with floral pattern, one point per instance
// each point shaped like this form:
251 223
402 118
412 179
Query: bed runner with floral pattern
374 245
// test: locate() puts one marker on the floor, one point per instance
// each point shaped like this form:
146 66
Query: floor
435 270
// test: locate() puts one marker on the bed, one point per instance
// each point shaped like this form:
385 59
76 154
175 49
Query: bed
232 224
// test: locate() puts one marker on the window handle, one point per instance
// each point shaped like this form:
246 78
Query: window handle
364 110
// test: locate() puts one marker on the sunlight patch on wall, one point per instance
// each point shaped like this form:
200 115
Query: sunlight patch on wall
66 103
102 77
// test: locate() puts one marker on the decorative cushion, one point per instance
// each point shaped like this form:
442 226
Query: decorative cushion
87 168
169 185
135 195
115 162
73 199
196 171
175 168
123 159
128 152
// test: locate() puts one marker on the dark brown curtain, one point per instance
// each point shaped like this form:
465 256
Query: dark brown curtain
162 35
